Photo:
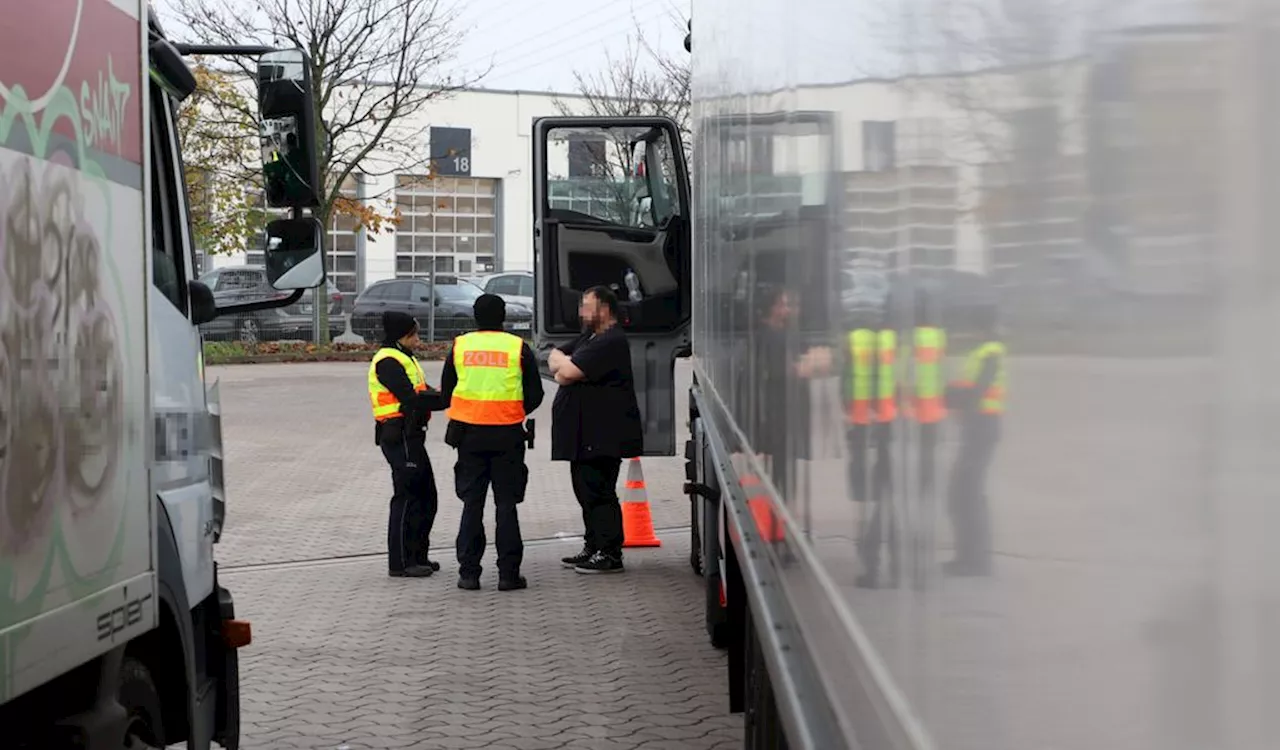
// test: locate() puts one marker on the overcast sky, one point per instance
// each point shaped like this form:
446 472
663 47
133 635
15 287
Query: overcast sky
537 44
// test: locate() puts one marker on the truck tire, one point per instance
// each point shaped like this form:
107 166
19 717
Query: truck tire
138 694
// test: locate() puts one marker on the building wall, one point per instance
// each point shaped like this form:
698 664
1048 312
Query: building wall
501 153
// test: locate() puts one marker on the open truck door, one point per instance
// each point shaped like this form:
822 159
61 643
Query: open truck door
611 208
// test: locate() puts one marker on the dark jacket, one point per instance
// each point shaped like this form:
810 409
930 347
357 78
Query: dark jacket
781 418
492 437
598 417
416 407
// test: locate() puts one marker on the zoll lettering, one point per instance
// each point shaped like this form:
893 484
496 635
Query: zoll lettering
485 359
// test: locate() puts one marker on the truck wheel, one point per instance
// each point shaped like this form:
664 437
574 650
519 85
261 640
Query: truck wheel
138 694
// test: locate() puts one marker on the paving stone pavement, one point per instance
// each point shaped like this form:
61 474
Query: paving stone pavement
345 656
305 480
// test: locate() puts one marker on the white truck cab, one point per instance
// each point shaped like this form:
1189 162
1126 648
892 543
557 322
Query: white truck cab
114 630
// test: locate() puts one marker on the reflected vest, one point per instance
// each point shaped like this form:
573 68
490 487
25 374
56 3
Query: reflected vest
490 388
873 352
993 399
930 349
385 405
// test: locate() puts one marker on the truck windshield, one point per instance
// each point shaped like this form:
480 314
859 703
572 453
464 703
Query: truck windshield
618 175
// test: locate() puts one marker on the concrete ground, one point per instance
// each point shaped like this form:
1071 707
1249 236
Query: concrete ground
344 657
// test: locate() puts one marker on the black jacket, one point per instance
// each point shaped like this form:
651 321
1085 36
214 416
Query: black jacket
416 407
598 417
492 437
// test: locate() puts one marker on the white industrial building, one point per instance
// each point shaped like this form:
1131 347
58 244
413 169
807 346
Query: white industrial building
475 216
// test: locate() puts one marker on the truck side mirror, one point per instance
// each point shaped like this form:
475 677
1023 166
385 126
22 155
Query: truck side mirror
175 76
286 105
292 256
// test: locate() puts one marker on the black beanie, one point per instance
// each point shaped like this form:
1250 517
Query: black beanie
397 325
490 311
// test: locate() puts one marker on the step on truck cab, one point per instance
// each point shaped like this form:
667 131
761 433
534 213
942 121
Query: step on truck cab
114 628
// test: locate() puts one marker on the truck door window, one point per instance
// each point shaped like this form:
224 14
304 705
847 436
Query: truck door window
614 215
617 180
166 218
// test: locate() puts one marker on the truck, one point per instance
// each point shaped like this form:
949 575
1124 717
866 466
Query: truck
1118 489
115 629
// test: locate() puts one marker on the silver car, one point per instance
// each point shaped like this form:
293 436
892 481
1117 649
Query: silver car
512 286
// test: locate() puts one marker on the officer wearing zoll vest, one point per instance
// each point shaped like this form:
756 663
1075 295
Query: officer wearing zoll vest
978 400
927 408
402 405
492 381
872 409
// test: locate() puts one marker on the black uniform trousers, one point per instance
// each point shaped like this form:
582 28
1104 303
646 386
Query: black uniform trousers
967 497
868 444
413 502
477 468
595 484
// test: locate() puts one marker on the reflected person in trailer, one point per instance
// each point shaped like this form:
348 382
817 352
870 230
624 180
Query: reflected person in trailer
978 401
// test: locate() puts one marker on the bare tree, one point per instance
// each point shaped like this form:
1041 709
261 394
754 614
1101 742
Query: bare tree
375 64
643 81
640 82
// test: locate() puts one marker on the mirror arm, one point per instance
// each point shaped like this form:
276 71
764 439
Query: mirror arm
225 50
270 304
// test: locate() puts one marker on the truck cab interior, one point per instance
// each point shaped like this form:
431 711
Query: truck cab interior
613 212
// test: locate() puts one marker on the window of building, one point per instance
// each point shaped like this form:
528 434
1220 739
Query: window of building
879 145
447 221
342 256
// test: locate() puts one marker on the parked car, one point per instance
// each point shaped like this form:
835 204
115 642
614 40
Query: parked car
512 286
453 302
243 283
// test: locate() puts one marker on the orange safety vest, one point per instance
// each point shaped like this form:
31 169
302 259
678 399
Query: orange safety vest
992 401
490 388
868 346
385 404
929 351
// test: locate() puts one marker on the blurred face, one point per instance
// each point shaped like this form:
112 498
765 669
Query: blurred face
592 312
411 341
782 310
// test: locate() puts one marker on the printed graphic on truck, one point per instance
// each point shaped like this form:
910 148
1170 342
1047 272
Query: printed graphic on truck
74 503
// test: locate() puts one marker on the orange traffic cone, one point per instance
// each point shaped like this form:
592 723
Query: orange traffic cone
637 522
761 510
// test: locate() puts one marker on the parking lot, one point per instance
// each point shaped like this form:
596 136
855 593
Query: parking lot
345 656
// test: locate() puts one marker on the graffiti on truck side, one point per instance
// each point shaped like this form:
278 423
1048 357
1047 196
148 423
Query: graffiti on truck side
104 107
63 335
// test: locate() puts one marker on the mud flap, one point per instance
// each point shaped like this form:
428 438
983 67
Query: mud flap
226 663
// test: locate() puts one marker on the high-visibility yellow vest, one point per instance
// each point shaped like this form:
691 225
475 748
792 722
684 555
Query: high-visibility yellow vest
385 404
869 347
993 398
929 351
490 386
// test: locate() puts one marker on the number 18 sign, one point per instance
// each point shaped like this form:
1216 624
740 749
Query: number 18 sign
451 151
